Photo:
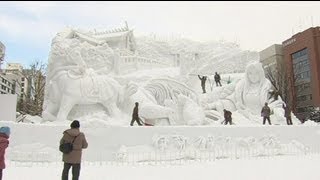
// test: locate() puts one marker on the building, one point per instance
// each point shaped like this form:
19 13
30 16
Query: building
7 86
271 58
301 55
2 53
14 74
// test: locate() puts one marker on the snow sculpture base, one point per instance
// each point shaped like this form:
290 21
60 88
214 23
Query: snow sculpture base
105 142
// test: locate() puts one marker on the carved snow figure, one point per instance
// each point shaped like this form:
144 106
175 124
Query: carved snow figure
160 142
87 88
167 102
79 74
248 96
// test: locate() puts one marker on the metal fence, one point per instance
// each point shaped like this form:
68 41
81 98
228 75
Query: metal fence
161 158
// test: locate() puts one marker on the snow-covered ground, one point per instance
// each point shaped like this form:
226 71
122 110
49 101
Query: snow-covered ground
280 168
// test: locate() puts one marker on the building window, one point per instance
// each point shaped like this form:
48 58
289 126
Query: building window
301 66
22 79
302 87
304 97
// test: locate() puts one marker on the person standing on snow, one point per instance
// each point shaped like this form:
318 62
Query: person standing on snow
73 159
265 113
287 114
227 117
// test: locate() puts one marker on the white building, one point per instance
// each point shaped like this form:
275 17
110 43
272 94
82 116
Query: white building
14 74
6 85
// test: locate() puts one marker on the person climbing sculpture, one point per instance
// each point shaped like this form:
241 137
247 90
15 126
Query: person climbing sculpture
203 83
217 79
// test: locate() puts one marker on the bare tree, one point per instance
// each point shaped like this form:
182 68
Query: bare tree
283 84
34 96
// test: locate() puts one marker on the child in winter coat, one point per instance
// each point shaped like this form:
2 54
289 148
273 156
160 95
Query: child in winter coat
4 142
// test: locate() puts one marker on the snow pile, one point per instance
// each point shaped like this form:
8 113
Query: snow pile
310 123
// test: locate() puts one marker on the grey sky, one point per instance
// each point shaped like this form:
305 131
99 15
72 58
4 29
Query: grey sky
255 25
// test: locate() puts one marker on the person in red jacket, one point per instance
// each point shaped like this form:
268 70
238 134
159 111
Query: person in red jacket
4 143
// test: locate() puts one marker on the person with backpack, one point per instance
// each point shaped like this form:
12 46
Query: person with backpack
73 158
4 143
135 115
203 83
265 113
227 117
217 79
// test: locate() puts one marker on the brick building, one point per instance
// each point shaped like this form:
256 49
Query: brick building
301 53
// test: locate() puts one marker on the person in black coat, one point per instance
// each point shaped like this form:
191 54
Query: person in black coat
287 114
217 79
135 115
203 83
227 117
265 113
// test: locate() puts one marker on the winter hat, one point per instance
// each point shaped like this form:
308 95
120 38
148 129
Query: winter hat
5 130
75 124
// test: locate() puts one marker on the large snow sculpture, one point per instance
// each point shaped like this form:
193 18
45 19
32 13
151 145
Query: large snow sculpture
79 74
248 96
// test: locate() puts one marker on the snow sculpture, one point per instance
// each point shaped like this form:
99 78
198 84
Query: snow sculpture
87 88
167 102
160 142
176 146
248 96
170 142
79 74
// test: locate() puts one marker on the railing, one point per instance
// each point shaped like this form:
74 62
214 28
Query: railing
132 63
158 157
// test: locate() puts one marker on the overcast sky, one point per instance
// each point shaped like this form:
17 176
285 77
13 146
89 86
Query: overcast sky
27 28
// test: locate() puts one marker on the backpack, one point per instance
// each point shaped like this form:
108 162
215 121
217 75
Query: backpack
66 148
